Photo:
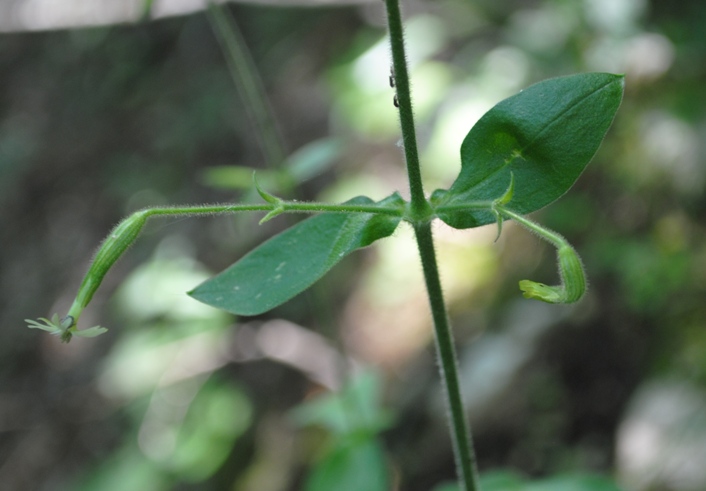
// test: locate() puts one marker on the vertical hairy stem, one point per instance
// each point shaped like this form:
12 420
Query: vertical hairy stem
419 216
463 447
419 206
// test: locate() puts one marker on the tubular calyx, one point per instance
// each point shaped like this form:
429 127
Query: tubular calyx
117 242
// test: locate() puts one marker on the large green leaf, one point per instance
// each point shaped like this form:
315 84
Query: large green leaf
292 261
545 136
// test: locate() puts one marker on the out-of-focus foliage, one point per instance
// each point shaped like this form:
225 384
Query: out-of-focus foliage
355 458
509 481
306 163
95 123
185 421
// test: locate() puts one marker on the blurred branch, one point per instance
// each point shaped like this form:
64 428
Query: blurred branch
247 80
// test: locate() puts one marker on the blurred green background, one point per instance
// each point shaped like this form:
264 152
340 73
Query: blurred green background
96 122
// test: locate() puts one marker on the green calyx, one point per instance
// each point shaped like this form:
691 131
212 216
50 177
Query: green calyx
117 242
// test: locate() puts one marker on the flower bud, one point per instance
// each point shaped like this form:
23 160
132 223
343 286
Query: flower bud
573 280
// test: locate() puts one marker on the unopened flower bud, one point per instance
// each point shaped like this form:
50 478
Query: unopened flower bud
573 280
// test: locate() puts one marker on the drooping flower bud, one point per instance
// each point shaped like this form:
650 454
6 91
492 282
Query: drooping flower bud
573 280
117 242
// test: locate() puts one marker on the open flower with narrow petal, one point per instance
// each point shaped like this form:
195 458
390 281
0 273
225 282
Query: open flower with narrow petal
64 328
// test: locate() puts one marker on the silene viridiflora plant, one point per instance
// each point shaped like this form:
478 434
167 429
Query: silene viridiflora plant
523 154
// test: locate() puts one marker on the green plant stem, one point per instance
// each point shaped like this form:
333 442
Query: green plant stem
470 205
283 206
245 76
418 204
552 237
419 215
463 446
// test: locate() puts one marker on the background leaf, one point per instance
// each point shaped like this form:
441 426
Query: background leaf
545 136
290 262
355 465
510 481
355 409
574 482
307 162
354 458
501 481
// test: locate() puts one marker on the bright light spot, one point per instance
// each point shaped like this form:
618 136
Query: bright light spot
541 30
355 185
605 55
165 8
456 118
661 442
310 353
425 37
36 15
673 146
508 68
156 440
158 288
371 68
643 57
648 56
54 14
397 274
615 16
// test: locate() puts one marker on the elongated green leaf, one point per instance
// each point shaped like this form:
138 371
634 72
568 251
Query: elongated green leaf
290 262
545 136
